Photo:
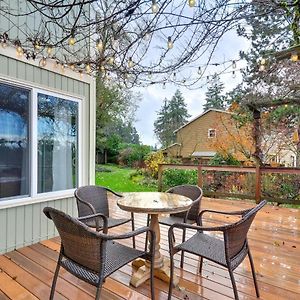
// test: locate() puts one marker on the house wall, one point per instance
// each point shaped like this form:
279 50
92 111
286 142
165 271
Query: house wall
194 136
21 220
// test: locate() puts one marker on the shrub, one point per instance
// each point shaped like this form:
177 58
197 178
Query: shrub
228 160
133 155
175 177
152 161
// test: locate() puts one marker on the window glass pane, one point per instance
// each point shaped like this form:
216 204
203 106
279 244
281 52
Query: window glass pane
14 141
57 144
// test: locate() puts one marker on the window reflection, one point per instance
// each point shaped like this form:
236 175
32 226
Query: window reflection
57 143
14 145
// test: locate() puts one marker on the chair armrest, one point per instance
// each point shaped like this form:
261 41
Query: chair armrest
96 216
128 234
231 213
113 192
89 205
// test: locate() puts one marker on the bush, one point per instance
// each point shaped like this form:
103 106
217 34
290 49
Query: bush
174 177
228 160
133 155
152 161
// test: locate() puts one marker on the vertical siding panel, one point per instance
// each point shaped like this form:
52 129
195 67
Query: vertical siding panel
21 71
28 224
51 80
43 224
3 231
29 72
45 77
20 228
4 65
36 217
11 228
64 83
12 68
58 81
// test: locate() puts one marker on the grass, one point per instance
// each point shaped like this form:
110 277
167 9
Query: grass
119 179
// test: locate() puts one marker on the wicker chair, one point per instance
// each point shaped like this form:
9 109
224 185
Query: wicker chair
93 199
91 255
229 252
190 217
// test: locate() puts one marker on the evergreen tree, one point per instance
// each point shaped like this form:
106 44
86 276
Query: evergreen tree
214 97
171 116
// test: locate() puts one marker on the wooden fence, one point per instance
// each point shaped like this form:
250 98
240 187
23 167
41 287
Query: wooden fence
256 171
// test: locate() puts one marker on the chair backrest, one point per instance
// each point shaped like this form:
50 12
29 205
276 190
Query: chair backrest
79 243
235 236
195 193
95 196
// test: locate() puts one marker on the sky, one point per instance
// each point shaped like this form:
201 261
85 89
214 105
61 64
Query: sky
153 95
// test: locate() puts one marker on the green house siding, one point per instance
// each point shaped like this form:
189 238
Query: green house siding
25 224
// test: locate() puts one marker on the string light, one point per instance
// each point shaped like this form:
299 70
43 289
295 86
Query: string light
88 68
192 3
99 45
72 41
43 61
164 86
147 36
199 71
170 43
150 75
262 68
4 39
207 79
130 62
263 61
49 50
102 69
174 76
80 74
37 45
234 64
294 56
62 67
72 67
111 60
233 74
154 7
115 44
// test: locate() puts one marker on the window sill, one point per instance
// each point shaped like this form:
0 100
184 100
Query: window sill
37 199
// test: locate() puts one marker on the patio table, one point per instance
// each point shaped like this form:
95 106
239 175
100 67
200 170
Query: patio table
154 203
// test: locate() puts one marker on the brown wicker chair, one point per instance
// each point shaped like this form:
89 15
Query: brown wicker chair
190 217
91 255
229 252
93 199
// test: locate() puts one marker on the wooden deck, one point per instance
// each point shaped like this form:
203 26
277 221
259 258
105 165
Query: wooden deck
274 239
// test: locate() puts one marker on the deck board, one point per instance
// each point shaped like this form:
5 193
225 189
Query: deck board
274 240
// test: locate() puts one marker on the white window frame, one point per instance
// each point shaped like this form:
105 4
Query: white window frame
33 160
210 130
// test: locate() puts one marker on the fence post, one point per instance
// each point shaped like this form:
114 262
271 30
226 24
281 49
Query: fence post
200 177
257 184
159 178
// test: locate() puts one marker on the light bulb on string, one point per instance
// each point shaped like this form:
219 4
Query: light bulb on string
294 56
170 43
150 75
192 3
115 44
262 68
174 76
111 60
263 61
72 67
43 61
80 74
233 64
99 45
199 71
19 51
72 41
88 68
130 62
147 36
102 69
49 50
233 74
207 79
4 39
164 85
37 45
154 7
62 68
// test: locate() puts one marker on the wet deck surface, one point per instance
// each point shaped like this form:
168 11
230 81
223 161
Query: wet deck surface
274 240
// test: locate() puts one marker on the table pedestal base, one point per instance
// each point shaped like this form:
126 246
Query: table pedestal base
143 273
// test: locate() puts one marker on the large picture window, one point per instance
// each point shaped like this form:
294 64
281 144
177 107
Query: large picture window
38 142
14 141
57 143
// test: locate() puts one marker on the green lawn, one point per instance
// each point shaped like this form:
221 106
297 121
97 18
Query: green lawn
119 179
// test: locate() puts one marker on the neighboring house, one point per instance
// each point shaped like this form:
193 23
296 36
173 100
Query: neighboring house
216 131
194 140
47 144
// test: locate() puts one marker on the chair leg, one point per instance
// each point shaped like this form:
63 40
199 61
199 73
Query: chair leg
236 296
147 237
133 228
201 265
253 273
171 276
98 291
182 252
55 278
